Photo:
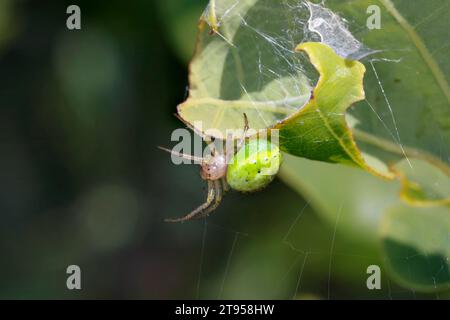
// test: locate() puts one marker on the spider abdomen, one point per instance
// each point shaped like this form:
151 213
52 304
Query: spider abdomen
254 166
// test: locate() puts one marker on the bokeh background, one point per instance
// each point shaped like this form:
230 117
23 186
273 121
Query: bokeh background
82 182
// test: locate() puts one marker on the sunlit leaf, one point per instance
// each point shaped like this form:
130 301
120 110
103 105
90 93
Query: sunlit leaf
248 66
247 63
319 130
402 126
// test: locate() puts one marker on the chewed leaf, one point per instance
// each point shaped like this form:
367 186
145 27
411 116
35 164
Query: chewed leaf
245 62
319 130
423 184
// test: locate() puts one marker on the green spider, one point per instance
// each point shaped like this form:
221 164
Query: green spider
250 168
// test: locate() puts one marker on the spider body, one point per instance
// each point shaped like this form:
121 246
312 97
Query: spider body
251 168
254 166
213 167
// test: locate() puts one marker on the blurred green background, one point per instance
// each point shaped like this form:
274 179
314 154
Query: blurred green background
82 182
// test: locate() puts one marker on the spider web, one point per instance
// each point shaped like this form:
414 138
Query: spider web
288 279
219 267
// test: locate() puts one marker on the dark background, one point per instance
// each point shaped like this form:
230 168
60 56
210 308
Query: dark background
82 182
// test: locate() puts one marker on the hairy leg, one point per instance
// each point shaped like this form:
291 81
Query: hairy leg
240 141
182 155
197 213
217 200
225 185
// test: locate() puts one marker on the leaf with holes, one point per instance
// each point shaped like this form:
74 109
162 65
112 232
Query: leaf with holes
401 127
248 64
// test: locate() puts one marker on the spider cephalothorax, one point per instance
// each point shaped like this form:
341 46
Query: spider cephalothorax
213 167
252 167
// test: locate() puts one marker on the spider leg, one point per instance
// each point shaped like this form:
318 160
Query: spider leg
199 211
229 147
204 136
182 155
217 200
240 141
212 148
225 185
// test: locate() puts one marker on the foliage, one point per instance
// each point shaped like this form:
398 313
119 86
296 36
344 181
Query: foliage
401 124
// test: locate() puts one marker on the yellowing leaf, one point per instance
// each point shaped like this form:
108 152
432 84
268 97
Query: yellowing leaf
319 130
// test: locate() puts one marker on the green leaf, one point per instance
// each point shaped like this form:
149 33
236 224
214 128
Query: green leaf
406 113
358 197
319 130
267 82
247 63
414 241
414 247
403 123
423 184
248 66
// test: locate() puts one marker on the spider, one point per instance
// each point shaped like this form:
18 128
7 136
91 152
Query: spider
252 167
